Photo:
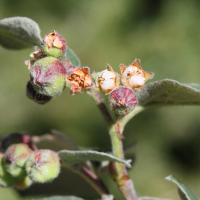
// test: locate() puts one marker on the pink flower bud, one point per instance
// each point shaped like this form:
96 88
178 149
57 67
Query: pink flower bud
79 79
43 166
54 45
122 100
32 94
48 76
133 76
106 80
15 158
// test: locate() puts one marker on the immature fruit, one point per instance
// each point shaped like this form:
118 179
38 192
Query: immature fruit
6 179
122 100
48 76
43 166
54 45
23 184
15 158
32 94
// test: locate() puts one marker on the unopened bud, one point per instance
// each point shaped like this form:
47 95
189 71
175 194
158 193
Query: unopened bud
133 76
48 76
16 138
43 166
32 94
54 45
107 80
6 179
23 184
122 100
79 79
15 158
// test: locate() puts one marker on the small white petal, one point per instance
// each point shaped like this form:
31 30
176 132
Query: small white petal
32 54
107 85
108 75
136 81
127 71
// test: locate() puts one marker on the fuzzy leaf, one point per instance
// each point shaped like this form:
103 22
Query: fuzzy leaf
72 157
184 192
19 33
61 198
107 197
72 57
169 92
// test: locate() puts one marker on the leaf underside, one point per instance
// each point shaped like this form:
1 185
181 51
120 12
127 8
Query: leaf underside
19 33
184 192
73 157
168 92
60 198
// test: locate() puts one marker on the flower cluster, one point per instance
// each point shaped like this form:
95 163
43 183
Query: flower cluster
122 99
22 164
51 72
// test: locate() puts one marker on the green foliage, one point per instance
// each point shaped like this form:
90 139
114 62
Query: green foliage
72 57
61 198
72 157
19 33
184 192
168 92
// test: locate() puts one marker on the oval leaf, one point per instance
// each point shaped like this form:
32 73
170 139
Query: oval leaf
168 92
61 198
184 192
73 157
19 33
72 57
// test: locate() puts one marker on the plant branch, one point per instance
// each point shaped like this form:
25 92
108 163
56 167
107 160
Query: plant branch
100 103
118 170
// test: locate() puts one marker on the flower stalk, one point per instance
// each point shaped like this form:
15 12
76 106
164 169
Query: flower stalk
117 170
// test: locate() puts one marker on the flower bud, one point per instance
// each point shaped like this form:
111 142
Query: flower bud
35 96
43 166
79 79
15 158
23 184
107 80
16 138
122 100
6 179
133 76
54 45
48 76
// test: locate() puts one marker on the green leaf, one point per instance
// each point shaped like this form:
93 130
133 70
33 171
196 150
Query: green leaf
72 157
184 192
151 198
108 197
168 92
72 57
19 33
61 198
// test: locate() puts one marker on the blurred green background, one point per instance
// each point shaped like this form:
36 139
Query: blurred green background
165 35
